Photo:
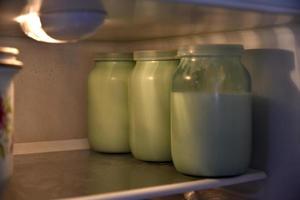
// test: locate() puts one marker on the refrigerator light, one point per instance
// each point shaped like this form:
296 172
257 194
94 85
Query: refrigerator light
60 21
32 27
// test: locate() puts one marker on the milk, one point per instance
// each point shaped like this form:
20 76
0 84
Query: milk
211 133
149 96
108 118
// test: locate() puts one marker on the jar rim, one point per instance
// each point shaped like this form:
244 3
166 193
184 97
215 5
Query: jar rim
8 57
152 55
9 50
211 50
114 56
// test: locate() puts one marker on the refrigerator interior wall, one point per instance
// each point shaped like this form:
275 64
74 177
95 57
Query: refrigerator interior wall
51 90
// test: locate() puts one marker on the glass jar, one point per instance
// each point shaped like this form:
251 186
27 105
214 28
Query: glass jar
9 66
108 120
211 111
149 93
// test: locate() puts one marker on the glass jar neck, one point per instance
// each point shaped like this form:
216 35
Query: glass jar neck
228 62
211 74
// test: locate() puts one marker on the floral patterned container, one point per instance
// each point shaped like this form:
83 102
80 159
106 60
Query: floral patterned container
9 66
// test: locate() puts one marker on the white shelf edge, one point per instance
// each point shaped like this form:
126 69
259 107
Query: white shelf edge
176 188
50 146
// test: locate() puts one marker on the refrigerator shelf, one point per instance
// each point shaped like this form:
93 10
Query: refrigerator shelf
133 20
86 175
275 6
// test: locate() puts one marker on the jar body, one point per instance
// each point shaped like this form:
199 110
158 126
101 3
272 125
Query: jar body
150 87
211 116
108 120
6 122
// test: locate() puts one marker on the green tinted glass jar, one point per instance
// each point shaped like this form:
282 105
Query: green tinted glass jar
211 111
149 94
108 120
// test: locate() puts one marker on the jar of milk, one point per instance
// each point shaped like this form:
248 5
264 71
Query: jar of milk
149 97
211 111
108 117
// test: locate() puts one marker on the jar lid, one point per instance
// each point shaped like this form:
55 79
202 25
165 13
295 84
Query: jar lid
211 50
155 55
8 57
114 56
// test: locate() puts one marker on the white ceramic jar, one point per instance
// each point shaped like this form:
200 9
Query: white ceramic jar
9 66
